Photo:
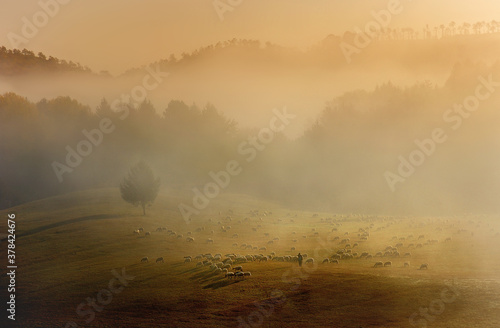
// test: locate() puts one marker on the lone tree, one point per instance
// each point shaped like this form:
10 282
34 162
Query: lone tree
140 187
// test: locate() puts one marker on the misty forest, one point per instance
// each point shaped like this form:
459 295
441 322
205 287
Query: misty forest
246 182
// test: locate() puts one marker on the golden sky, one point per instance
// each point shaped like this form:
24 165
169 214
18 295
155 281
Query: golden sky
115 35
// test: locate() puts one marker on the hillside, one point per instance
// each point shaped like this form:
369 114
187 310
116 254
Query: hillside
69 245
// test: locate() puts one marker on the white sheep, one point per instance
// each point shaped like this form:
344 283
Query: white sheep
144 259
309 260
423 266
160 259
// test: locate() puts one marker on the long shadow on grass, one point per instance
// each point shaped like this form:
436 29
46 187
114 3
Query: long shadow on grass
190 271
221 283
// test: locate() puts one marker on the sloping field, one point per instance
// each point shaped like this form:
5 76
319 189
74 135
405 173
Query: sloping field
71 249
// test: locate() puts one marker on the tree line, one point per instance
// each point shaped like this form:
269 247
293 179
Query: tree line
338 163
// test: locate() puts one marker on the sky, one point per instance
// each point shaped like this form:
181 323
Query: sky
116 35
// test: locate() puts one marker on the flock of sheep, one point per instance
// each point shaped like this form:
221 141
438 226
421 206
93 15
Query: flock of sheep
343 249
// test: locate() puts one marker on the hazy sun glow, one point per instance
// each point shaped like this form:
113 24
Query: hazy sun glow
115 35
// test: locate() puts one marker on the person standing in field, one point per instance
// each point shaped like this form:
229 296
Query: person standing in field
300 259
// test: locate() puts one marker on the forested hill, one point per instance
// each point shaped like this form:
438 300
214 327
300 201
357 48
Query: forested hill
15 61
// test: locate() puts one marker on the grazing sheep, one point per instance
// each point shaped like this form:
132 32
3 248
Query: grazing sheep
423 266
407 264
189 239
187 260
263 249
158 229
309 260
235 245
407 255
388 264
230 275
247 274
199 264
210 241
325 261
378 264
137 232
292 249
160 259
144 259
226 266
239 268
238 275
334 261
